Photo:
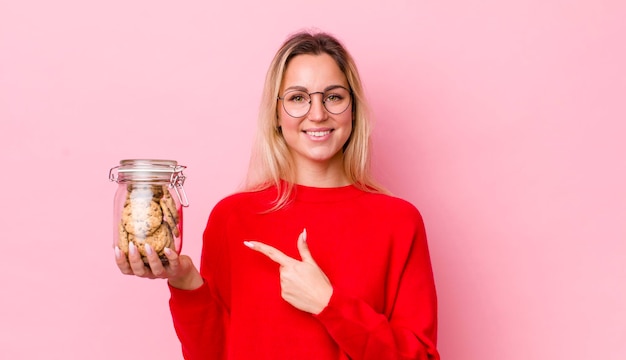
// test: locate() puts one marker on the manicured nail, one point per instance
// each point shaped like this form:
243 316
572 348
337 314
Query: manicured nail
148 249
304 234
167 251
132 250
249 244
118 253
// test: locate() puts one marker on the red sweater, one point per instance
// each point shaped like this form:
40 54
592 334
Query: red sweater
373 249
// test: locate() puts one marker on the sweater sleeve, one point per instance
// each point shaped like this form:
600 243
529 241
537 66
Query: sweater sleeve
408 327
198 321
201 317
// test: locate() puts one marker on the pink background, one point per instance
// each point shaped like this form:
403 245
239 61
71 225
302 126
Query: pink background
503 121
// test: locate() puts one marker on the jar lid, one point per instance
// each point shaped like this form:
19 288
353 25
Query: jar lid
145 170
151 170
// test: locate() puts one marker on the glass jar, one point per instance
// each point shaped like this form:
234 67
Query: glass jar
148 206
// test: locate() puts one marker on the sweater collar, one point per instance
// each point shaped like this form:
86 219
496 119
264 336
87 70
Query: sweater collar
315 194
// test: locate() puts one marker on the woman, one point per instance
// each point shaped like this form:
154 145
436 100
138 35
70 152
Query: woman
332 267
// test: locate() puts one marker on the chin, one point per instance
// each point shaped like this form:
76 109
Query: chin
324 157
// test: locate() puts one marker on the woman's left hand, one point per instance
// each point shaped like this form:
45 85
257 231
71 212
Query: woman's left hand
303 284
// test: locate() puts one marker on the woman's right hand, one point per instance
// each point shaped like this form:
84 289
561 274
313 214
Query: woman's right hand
181 273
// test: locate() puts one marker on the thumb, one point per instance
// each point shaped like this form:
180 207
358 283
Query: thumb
303 248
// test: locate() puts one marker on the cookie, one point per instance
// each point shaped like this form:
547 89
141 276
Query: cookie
158 241
149 215
122 242
168 218
171 204
142 217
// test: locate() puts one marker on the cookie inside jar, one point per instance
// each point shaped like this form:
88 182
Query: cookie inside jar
149 216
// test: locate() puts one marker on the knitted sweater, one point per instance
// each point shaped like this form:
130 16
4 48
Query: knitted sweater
372 248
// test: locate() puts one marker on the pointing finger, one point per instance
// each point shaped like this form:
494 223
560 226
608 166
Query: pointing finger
271 252
303 248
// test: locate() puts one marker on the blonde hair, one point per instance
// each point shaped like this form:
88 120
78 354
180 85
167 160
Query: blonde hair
271 163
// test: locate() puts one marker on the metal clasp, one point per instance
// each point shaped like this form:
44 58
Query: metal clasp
112 176
176 181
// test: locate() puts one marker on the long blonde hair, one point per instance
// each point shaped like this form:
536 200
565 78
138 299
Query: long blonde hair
271 163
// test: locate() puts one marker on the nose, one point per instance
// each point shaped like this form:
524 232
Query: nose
317 111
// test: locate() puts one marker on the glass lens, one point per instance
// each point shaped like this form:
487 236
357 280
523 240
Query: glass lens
296 103
337 100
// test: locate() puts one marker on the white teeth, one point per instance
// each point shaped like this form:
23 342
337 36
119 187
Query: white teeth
318 133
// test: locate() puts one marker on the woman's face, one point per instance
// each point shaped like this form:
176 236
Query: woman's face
316 138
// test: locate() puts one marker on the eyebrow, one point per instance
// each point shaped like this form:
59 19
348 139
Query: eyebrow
302 88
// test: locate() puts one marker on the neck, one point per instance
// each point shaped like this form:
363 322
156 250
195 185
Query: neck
324 174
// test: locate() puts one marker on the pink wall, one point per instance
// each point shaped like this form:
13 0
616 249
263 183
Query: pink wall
503 121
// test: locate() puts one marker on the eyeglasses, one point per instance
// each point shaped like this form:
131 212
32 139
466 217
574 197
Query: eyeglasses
297 103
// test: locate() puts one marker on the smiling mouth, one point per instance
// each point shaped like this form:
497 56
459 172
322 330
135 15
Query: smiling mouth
318 133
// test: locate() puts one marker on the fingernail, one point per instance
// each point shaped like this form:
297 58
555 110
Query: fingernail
167 251
118 253
131 248
248 244
304 234
148 249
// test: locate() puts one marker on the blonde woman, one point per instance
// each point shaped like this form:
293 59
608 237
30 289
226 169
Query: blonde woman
313 260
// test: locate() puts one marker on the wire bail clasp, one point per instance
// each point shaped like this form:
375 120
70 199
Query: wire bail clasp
176 181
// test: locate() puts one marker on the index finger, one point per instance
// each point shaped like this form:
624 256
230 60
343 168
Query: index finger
271 252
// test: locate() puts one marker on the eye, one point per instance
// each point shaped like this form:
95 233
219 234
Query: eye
334 98
297 97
